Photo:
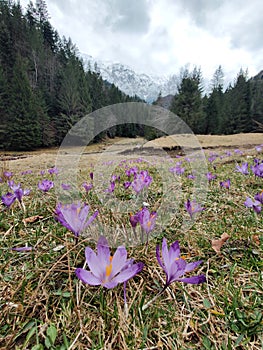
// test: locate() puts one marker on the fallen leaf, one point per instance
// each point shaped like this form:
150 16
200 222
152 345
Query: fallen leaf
218 243
255 239
32 219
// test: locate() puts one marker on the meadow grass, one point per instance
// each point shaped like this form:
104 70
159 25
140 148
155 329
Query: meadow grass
45 306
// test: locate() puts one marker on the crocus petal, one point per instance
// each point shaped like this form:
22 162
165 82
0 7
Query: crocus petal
249 203
93 216
165 254
159 258
176 270
84 212
191 266
111 284
87 277
128 273
174 251
119 260
103 251
193 280
96 266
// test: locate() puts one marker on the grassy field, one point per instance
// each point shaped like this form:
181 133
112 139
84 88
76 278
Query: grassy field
45 306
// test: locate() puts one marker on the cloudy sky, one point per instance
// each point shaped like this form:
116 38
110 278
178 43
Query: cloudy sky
161 36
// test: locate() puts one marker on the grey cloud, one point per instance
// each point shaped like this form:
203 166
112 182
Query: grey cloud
128 16
219 17
199 10
248 34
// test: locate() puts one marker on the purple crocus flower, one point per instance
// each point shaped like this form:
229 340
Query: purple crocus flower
65 187
210 176
87 187
115 178
193 207
259 197
225 184
107 270
8 199
178 170
91 175
141 180
256 205
134 219
176 267
26 172
243 168
147 219
127 184
237 151
13 186
20 193
258 148
212 157
257 169
45 185
53 171
131 171
74 216
8 174
111 188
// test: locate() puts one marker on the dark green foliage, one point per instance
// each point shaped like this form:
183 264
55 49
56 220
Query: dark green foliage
187 103
214 105
257 99
239 119
44 89
23 127
237 109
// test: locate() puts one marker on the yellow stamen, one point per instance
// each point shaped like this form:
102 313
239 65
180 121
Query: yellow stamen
181 257
109 268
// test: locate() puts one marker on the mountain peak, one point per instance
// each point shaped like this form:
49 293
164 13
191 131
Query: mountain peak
145 86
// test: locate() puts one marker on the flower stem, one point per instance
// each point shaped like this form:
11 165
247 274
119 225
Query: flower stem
145 306
126 311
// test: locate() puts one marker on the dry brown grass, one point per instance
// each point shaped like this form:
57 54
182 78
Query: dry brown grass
212 141
46 158
40 289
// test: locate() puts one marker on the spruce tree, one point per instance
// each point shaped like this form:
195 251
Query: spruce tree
23 131
240 117
215 120
187 103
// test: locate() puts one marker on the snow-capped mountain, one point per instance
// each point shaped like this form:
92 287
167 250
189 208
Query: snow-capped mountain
131 83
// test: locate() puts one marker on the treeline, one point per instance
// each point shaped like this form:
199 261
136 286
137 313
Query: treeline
44 89
237 109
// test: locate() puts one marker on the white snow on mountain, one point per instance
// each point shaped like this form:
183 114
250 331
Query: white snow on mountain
145 86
